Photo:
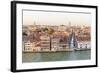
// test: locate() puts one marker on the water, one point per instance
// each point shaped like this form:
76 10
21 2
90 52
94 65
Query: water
56 56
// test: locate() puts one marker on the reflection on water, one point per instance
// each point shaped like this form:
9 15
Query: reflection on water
56 56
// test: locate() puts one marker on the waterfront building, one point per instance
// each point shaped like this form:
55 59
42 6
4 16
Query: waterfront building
84 42
55 44
36 48
45 43
84 39
84 45
63 46
28 46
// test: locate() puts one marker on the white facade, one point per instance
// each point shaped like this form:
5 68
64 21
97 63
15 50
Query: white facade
84 45
29 47
55 44
45 43
37 48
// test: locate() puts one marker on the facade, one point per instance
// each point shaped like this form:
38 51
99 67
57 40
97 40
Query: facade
28 46
45 43
55 44
63 46
37 48
84 45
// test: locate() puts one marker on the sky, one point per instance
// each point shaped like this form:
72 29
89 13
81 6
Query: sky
55 18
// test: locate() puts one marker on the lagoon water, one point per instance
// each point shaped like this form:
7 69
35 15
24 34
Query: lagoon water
56 56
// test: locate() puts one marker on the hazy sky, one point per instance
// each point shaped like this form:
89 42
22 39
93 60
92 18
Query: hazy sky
55 18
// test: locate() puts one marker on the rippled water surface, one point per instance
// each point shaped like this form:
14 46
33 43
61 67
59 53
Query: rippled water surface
56 56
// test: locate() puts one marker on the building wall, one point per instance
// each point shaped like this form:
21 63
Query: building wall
45 43
55 44
84 44
28 46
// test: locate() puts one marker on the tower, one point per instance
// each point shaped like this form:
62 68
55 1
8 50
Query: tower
72 40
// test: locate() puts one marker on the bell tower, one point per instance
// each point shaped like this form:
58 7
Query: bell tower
72 40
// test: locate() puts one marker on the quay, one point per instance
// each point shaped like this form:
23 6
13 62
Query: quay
54 51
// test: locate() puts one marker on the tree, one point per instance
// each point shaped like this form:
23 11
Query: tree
24 34
50 31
